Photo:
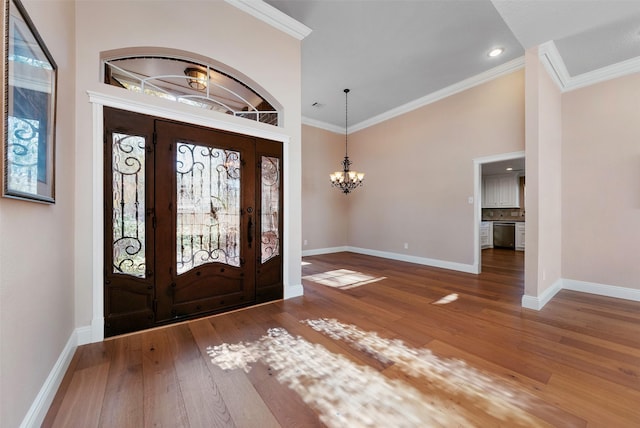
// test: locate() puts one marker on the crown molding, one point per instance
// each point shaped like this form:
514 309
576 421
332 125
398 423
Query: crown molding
322 125
478 79
272 16
501 70
553 62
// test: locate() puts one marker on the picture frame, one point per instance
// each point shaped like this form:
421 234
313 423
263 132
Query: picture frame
29 82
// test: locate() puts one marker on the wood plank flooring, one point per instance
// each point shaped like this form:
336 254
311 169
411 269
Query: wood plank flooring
373 342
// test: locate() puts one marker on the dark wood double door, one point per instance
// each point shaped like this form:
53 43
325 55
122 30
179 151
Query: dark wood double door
193 221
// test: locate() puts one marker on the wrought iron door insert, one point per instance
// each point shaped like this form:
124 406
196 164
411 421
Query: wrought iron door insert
193 221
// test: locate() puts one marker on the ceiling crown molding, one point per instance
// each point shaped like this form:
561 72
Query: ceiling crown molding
272 16
553 62
478 79
322 125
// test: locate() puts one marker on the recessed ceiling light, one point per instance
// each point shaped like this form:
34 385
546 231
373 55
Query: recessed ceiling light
495 52
509 169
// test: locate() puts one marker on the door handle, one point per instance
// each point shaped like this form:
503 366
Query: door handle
250 231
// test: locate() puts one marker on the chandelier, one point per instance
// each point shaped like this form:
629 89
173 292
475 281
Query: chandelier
346 180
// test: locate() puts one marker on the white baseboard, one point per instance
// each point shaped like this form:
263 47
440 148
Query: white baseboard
537 303
84 335
97 331
602 289
461 267
320 251
40 406
292 291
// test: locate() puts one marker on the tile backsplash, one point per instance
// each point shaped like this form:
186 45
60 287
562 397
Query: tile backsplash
496 214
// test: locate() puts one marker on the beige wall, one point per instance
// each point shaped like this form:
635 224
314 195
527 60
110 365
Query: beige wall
419 170
324 208
543 166
36 246
601 183
212 29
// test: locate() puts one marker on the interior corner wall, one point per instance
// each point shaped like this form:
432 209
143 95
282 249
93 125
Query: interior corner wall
420 171
36 244
324 208
601 183
543 258
218 31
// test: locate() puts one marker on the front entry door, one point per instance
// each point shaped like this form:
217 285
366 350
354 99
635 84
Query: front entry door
198 232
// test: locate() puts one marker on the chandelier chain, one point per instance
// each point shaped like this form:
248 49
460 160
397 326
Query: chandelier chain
346 180
346 122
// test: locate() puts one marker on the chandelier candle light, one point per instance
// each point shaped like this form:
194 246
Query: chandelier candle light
346 180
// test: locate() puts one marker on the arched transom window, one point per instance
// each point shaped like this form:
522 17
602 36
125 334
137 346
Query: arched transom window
189 82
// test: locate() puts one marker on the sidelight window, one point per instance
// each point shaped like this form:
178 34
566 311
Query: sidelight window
270 207
128 191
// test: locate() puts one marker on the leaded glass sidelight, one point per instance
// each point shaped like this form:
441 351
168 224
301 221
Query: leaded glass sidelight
208 206
270 233
128 184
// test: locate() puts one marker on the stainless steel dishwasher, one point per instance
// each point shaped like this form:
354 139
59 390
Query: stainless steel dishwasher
504 235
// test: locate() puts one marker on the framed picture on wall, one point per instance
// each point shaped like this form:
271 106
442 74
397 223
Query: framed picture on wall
29 76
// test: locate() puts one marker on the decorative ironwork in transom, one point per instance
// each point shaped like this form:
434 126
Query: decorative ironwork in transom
190 83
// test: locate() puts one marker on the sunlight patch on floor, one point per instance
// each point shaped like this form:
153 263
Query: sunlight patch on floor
343 278
345 393
446 299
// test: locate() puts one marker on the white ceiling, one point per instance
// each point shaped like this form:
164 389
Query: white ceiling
516 165
392 52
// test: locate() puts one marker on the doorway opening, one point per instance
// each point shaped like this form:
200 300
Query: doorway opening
193 221
499 208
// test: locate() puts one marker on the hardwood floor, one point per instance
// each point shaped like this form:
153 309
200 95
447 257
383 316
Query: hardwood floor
373 342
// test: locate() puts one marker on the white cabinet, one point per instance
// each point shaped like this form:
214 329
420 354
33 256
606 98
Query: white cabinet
500 191
486 234
520 236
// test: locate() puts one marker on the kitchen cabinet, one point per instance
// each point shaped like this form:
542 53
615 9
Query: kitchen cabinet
520 236
486 234
500 191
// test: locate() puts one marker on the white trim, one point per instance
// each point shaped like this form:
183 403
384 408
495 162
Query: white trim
292 291
603 74
614 291
40 406
322 125
557 69
552 61
97 206
537 303
157 107
494 73
272 16
84 335
187 114
329 250
460 267
477 200
477 214
602 289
